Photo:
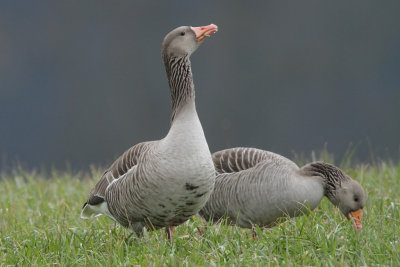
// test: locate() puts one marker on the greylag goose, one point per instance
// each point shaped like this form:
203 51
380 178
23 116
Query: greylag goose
162 183
257 187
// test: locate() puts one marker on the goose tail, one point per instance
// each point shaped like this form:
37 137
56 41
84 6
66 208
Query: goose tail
91 211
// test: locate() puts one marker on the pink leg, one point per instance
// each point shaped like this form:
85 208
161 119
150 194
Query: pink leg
200 230
254 234
170 233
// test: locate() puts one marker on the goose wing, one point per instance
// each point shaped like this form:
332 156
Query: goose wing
124 164
243 174
242 158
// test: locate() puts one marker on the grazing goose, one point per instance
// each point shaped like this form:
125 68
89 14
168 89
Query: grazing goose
257 187
162 183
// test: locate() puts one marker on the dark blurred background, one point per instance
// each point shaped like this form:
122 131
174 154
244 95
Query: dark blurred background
81 81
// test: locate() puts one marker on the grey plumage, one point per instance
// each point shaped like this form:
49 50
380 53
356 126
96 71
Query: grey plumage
120 167
162 183
257 187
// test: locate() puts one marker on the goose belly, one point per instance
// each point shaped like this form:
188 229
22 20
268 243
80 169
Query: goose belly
161 195
261 202
173 200
184 201
295 200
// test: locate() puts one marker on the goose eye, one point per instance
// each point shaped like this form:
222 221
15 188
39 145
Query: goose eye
182 33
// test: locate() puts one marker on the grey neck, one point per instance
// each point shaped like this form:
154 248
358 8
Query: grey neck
180 79
331 175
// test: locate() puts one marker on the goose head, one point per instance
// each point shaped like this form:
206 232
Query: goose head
341 190
184 40
350 199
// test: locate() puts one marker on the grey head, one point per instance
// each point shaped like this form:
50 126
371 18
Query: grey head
344 192
184 40
350 199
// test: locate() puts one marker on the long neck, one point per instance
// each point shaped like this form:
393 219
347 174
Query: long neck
331 175
180 81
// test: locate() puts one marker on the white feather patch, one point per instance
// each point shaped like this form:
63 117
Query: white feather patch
90 211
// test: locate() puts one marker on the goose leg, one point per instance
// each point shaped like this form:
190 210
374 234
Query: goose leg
202 228
253 234
170 233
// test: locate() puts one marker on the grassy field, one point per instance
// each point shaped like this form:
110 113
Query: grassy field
40 225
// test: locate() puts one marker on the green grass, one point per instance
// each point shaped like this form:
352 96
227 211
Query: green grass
40 225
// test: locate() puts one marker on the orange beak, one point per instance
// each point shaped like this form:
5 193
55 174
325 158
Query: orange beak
205 31
356 216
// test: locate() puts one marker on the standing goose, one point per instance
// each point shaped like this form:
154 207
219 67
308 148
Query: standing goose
257 187
162 183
